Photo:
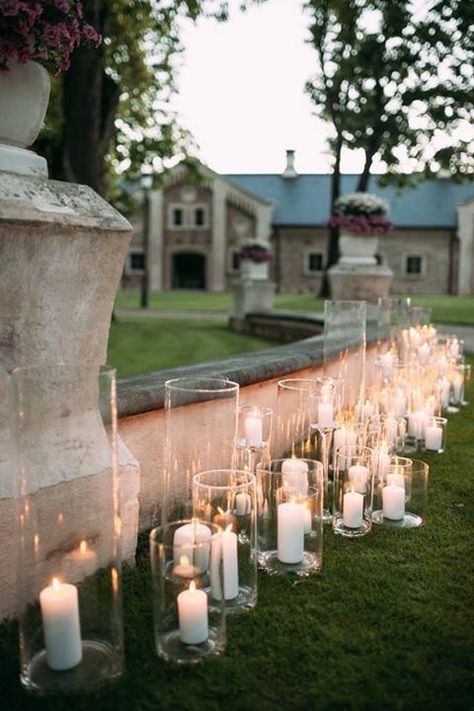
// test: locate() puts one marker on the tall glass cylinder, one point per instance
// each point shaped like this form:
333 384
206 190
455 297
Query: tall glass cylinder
69 579
295 414
353 491
345 346
227 498
290 516
189 611
254 431
200 433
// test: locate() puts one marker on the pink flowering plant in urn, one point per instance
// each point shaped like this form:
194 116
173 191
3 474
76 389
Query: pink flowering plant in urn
361 214
255 252
46 32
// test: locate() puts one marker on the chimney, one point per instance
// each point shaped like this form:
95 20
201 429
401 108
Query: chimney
290 171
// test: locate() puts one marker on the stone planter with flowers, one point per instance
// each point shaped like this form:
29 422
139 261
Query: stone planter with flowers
361 219
254 261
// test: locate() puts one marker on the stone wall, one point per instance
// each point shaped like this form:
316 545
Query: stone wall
433 246
291 246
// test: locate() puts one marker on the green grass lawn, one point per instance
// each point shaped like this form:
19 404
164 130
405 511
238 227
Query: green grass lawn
446 309
141 345
387 625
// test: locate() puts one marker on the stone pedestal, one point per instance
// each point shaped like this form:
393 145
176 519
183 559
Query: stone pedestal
62 250
367 282
250 296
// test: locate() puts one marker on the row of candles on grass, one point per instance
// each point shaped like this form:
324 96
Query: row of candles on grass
402 408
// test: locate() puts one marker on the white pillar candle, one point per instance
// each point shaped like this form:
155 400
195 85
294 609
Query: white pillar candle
433 437
290 534
415 424
339 438
393 502
358 476
400 404
242 504
224 548
192 614
325 415
445 389
253 431
295 477
396 480
386 362
351 441
424 354
184 539
391 430
353 509
61 625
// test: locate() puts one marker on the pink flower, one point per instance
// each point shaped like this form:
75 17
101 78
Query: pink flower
92 35
62 5
10 8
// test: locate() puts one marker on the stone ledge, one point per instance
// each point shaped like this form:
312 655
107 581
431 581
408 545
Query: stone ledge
138 394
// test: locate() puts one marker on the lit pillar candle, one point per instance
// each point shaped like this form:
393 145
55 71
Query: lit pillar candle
185 569
457 383
400 404
415 424
192 614
242 504
444 392
61 625
396 480
358 475
290 533
393 502
224 548
325 415
253 431
424 354
295 476
386 362
184 539
353 509
433 437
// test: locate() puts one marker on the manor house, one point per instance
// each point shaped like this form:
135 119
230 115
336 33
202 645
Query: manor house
196 228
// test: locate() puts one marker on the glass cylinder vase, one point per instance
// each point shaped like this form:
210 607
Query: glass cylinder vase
200 434
187 576
69 579
254 431
227 498
345 347
290 516
400 493
353 488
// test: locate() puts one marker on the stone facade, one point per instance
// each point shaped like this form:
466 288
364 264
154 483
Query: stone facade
424 260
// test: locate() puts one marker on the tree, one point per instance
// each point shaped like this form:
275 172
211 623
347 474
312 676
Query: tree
396 84
109 115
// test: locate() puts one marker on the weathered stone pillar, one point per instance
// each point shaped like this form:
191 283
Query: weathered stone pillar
466 254
62 250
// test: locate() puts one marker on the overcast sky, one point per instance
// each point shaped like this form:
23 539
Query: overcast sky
241 92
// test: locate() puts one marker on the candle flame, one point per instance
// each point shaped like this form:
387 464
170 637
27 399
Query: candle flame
221 511
192 586
56 584
184 560
83 546
229 528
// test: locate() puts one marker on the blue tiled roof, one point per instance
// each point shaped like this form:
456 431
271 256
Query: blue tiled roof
305 200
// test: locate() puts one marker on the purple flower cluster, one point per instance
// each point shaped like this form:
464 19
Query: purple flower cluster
370 225
255 253
47 31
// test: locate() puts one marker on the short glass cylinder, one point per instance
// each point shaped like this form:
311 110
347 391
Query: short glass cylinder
69 579
290 516
353 487
200 434
254 430
400 494
227 498
435 434
187 577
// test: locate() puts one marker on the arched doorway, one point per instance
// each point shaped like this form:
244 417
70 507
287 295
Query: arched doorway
189 271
